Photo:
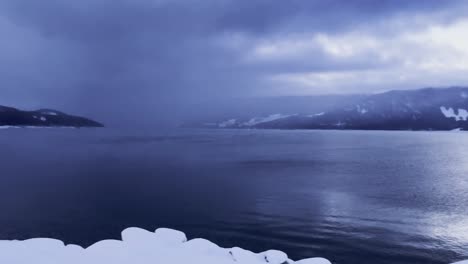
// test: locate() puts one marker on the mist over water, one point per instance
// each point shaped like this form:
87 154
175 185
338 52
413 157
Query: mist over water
349 196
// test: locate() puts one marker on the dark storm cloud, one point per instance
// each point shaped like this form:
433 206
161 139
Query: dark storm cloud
113 59
319 15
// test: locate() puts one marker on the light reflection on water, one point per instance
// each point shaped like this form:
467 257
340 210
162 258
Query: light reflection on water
350 196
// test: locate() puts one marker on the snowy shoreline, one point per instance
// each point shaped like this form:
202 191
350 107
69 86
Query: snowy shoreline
34 127
139 246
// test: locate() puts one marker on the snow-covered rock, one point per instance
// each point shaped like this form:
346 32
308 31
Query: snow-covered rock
139 246
313 261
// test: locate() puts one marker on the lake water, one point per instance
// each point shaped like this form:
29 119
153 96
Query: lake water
350 196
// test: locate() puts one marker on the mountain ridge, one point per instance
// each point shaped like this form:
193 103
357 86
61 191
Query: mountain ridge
421 109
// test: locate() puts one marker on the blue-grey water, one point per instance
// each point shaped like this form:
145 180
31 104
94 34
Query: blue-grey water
350 196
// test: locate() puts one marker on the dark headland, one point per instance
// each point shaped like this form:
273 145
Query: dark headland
10 116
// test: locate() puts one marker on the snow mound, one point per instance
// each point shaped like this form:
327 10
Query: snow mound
139 246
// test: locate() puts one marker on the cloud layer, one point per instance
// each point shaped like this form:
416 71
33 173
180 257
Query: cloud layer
113 59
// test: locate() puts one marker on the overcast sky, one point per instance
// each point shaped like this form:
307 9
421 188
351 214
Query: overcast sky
109 58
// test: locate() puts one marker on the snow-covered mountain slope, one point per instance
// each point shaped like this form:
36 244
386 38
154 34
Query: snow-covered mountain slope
12 117
251 122
139 246
424 109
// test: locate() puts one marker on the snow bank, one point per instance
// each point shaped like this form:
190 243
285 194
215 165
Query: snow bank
164 246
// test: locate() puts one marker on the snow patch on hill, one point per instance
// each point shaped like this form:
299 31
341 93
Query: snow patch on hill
234 123
7 127
462 114
258 120
227 123
49 113
361 110
139 246
315 115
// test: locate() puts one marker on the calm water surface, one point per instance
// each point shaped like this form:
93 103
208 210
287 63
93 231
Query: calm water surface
352 197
